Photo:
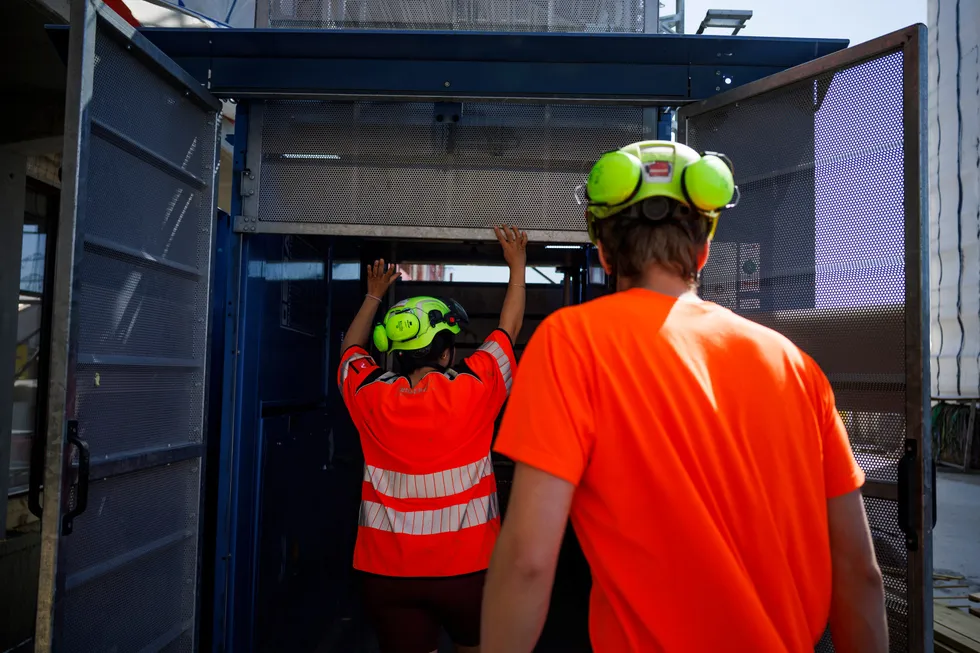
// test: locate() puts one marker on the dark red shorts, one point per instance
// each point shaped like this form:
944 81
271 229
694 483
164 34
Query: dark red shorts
407 613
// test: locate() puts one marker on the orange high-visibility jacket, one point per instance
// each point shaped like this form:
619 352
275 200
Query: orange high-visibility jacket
429 499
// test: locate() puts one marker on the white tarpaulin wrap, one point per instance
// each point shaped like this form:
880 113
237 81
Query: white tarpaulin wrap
231 13
234 13
954 196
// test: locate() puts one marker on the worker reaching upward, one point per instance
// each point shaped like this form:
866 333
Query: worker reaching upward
429 515
705 467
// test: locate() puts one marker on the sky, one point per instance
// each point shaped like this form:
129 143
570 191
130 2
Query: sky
856 20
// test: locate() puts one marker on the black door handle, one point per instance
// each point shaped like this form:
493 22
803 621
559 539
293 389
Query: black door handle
907 475
935 511
81 485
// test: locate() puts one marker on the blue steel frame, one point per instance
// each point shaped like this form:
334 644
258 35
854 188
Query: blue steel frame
227 555
650 69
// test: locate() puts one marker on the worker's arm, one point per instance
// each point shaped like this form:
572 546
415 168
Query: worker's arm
514 244
548 430
379 278
522 570
857 607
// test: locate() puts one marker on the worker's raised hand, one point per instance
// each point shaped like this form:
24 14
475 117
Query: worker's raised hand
380 276
514 244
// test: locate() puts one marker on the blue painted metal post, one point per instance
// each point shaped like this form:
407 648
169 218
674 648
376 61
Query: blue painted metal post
665 119
227 505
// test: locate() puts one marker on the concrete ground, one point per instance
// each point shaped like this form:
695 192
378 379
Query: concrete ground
956 539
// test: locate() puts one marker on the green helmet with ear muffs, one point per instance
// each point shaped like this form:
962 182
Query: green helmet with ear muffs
620 179
411 324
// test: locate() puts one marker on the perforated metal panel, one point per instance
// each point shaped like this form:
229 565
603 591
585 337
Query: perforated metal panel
462 15
424 165
825 246
127 568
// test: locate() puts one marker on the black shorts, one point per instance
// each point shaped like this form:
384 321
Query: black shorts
407 613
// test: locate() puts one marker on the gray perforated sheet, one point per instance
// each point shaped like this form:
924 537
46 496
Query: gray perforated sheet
452 167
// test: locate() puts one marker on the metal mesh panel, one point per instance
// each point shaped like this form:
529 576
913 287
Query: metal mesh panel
127 312
139 348
140 512
460 15
152 112
173 212
822 216
183 645
826 644
892 556
816 250
387 163
126 409
137 607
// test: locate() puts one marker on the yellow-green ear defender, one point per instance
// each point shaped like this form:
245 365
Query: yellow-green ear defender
614 179
380 337
709 182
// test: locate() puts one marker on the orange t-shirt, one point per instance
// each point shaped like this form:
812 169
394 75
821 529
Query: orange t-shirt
703 448
428 498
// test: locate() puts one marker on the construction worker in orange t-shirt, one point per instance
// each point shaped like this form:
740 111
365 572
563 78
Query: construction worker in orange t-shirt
429 514
706 470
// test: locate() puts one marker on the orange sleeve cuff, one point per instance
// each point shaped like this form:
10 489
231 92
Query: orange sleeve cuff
845 483
538 459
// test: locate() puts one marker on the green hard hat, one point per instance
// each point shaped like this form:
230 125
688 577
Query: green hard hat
627 176
411 324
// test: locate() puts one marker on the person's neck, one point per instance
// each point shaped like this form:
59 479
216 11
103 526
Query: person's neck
661 281
419 374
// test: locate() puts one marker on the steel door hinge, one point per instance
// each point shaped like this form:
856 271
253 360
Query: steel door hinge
245 224
248 183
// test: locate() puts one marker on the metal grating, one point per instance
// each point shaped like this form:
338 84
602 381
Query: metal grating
141 606
150 111
127 312
826 643
816 250
459 15
139 350
124 409
889 542
820 236
423 164
141 512
174 210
